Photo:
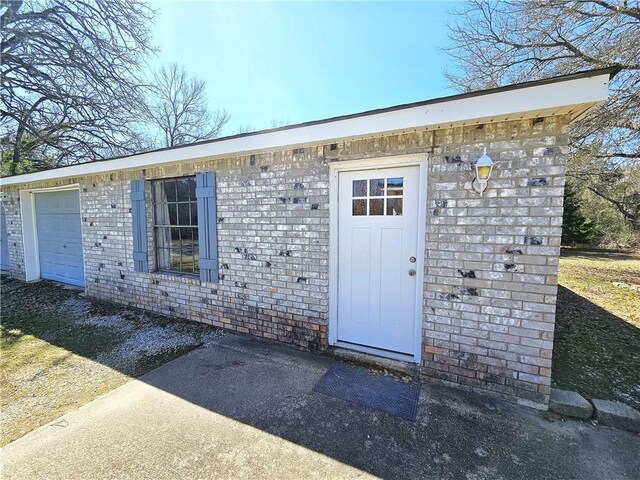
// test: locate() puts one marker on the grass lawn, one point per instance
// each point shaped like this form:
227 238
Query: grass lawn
597 337
60 351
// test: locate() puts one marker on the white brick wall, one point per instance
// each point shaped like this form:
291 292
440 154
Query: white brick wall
11 205
490 262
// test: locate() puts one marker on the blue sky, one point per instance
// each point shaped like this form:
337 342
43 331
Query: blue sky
300 61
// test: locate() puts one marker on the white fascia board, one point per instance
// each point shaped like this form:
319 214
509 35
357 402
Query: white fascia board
502 104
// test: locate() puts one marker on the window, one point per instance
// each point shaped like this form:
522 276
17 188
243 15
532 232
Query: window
176 225
377 196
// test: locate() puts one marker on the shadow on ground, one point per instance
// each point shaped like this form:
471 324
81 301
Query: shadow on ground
595 352
243 408
126 339
60 351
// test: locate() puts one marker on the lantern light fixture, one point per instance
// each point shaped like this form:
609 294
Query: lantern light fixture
483 168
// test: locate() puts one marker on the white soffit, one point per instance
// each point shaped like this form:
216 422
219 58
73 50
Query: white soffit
572 96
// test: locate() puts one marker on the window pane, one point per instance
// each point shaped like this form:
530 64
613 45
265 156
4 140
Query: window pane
162 257
360 188
196 249
173 213
175 261
187 239
176 249
162 213
395 186
183 189
169 187
394 206
183 214
359 207
192 189
377 187
376 206
187 250
187 260
196 261
158 193
194 214
163 239
194 236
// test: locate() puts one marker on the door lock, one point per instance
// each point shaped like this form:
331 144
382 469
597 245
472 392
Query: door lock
412 259
412 273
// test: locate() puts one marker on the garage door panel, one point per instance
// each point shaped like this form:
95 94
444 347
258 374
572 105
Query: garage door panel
72 226
74 272
58 203
71 205
73 260
60 237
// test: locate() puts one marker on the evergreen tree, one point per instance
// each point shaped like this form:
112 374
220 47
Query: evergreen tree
576 228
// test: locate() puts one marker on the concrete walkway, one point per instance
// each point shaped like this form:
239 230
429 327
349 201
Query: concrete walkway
245 409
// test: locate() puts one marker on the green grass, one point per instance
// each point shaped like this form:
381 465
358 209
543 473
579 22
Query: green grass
596 276
597 337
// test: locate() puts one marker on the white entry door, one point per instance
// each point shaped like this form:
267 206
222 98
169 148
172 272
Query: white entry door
377 258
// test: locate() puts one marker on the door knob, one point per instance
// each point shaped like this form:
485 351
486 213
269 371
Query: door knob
412 273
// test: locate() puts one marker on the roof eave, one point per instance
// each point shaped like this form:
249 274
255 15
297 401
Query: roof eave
571 95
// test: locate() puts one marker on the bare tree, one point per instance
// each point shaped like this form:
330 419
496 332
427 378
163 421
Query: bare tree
279 122
274 123
245 128
499 42
178 108
70 79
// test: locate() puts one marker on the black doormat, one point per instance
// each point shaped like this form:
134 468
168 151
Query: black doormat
375 390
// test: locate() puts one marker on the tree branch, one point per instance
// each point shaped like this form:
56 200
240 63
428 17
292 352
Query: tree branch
619 205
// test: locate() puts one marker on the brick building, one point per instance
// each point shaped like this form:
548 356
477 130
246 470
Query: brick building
365 232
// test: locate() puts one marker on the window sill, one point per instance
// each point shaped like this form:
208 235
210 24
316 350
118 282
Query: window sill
190 278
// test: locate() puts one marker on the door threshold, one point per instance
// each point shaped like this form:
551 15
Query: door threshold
395 362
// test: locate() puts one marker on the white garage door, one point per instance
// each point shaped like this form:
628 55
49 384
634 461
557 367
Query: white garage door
60 237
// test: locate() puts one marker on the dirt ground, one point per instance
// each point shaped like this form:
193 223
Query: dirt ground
597 336
60 350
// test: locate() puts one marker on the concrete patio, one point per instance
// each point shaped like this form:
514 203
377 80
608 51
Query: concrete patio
243 408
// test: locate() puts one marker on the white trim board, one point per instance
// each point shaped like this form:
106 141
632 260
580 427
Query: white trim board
419 160
569 95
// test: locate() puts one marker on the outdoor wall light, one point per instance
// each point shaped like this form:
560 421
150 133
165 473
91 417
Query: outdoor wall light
483 166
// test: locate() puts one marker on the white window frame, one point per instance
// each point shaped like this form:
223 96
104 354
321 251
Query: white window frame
154 226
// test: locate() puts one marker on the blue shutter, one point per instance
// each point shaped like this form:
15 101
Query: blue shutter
207 226
139 217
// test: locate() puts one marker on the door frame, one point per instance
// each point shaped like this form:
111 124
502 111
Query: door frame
335 168
30 230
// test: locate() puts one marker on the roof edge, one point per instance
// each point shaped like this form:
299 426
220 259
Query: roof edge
612 71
